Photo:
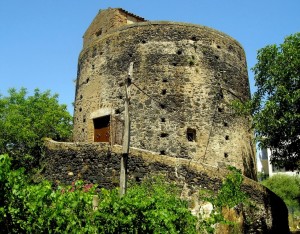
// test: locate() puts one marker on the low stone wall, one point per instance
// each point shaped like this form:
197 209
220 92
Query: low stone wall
99 163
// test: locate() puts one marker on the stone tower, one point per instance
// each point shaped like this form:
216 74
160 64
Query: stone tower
185 78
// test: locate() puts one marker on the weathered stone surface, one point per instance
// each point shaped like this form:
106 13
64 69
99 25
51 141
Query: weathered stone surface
185 76
100 163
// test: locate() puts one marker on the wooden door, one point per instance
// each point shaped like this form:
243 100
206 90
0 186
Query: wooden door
102 129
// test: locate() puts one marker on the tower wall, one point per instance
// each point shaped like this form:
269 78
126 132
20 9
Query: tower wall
185 78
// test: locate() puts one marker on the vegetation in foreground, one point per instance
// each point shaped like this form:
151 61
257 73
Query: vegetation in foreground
153 206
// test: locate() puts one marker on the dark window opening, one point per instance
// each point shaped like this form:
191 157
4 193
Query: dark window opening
81 96
82 130
93 66
225 155
164 91
87 80
174 64
143 41
179 52
84 120
226 137
191 134
162 152
225 124
219 47
216 57
165 80
164 135
80 109
102 129
163 119
220 109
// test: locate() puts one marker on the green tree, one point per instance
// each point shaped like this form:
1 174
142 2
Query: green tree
25 120
288 188
275 106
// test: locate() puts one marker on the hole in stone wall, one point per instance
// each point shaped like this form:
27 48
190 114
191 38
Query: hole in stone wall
137 179
163 120
162 152
174 64
191 134
93 66
220 109
164 80
162 106
81 96
130 55
216 57
226 155
194 38
179 52
82 130
143 41
226 137
219 47
118 111
225 124
80 109
164 91
84 120
120 97
164 134
99 32
87 80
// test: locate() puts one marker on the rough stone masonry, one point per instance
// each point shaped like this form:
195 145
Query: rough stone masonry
185 78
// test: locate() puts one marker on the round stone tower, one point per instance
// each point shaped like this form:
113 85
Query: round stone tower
184 80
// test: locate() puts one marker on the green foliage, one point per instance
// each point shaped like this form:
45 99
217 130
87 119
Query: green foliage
288 188
152 207
25 120
230 193
229 196
275 105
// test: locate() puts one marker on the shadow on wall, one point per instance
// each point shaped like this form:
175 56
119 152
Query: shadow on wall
248 164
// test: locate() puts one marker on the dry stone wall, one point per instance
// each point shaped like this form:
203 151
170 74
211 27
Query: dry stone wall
184 79
100 164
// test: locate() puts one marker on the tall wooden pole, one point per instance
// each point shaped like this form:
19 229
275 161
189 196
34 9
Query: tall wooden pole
126 136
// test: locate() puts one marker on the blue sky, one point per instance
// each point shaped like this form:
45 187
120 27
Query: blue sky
41 39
